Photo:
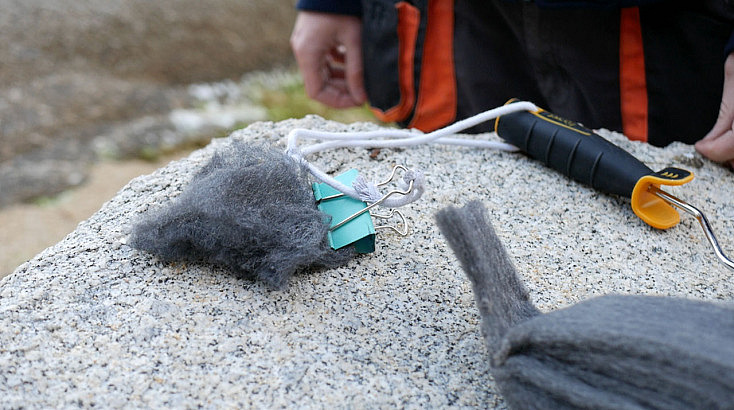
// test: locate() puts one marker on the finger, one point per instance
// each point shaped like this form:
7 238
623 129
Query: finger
353 68
337 54
335 90
335 67
726 109
310 48
335 94
719 149
354 75
326 84
311 61
723 123
313 76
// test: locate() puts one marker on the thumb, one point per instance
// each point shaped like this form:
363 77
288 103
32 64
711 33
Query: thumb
726 110
719 149
718 144
724 122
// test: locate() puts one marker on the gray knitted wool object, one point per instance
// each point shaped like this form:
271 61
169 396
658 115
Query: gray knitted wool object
612 352
251 210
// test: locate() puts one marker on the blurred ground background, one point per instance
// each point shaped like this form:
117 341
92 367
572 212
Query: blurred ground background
96 92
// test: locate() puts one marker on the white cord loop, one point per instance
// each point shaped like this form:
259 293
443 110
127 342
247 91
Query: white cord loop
368 192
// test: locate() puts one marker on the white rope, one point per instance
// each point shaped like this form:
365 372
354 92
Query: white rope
394 139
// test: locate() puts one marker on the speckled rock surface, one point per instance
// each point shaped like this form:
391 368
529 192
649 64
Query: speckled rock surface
91 321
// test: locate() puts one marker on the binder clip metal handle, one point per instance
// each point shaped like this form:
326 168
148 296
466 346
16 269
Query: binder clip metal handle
351 219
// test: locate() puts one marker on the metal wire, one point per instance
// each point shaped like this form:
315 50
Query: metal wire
395 228
679 203
372 205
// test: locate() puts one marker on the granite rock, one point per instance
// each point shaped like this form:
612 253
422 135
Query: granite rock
90 321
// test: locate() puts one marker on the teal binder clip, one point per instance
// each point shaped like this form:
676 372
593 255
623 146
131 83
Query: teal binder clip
351 223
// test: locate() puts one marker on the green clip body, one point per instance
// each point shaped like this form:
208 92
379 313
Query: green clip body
360 231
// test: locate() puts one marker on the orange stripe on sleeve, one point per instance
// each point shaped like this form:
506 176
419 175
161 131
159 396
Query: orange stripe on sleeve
632 80
437 91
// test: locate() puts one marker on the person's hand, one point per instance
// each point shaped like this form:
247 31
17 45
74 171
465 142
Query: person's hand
718 144
328 49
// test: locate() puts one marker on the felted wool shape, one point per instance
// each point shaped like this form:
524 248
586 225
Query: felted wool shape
251 210
610 352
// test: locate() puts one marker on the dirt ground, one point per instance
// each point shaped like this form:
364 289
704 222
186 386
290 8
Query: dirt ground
27 229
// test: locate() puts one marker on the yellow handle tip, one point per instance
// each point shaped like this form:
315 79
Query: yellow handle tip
653 210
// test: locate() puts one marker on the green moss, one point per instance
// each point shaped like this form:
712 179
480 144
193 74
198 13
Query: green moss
282 95
49 201
290 101
149 153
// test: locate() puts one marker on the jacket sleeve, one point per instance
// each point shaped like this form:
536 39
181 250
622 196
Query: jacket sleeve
350 7
599 4
722 9
729 46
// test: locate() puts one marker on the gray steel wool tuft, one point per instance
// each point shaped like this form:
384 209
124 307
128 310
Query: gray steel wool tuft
251 210
610 352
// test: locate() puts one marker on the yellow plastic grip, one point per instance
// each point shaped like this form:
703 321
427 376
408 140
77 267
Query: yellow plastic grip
650 208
